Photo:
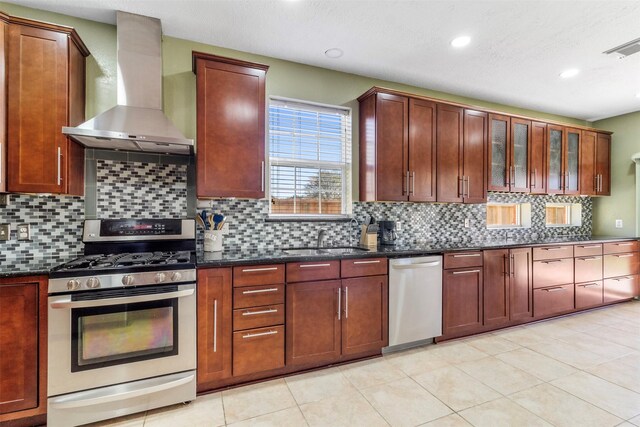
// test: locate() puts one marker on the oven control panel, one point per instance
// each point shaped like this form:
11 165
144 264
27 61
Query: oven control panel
111 281
140 227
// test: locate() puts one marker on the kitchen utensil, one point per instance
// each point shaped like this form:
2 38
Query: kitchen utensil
211 222
217 219
200 221
203 215
220 225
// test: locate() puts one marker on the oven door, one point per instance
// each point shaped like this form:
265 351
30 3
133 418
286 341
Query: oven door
115 336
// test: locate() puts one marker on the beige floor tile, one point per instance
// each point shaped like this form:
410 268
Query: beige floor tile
584 341
453 420
457 352
567 353
416 361
405 403
291 417
205 411
576 323
618 373
626 424
251 401
501 413
536 364
134 420
350 409
612 398
492 344
521 336
318 385
499 375
626 325
549 329
632 359
617 336
562 409
635 420
455 388
371 372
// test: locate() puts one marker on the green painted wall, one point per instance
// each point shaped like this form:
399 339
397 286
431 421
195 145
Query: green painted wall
622 202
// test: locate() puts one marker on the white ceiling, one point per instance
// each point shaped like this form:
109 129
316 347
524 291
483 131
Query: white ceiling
518 47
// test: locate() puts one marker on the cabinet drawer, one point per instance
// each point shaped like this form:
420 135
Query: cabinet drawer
620 288
588 294
556 299
463 260
312 270
587 249
552 252
258 317
620 264
249 275
552 272
257 350
588 268
255 296
620 247
363 267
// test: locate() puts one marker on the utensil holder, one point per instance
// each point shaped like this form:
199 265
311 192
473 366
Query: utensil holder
212 240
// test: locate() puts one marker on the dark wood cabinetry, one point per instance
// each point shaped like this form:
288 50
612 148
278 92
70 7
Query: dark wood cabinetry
520 284
230 152
23 348
4 27
595 164
563 158
509 149
45 74
537 162
462 301
603 164
422 151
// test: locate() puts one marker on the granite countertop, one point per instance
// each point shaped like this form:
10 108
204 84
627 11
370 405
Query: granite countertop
267 256
28 266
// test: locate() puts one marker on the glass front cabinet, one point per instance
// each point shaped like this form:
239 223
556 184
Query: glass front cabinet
509 152
563 154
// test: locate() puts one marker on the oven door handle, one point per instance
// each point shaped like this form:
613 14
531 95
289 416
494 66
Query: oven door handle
122 300
120 396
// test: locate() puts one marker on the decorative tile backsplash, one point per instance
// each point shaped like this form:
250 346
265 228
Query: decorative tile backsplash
421 222
56 228
141 190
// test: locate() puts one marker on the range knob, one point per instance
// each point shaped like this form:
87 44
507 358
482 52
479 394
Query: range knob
73 284
93 282
127 280
160 277
176 276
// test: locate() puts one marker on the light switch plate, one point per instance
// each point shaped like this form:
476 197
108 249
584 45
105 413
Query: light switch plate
24 232
618 223
5 232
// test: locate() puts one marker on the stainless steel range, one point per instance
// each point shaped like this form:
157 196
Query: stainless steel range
122 322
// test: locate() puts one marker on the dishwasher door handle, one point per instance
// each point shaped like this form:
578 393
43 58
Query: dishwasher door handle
417 265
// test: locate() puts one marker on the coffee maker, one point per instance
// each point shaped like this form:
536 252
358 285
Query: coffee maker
387 232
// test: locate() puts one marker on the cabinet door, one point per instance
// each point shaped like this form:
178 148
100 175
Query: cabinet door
3 106
572 160
214 326
313 322
554 300
603 164
555 173
474 160
521 284
538 158
230 129
498 155
449 153
365 318
422 150
496 287
392 150
37 94
18 347
462 301
520 138
588 181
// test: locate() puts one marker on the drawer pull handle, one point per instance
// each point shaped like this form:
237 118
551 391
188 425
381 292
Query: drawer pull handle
260 334
260 291
314 265
377 261
253 313
465 255
589 285
624 256
215 326
591 258
254 270
624 244
555 289
589 247
561 248
551 261
339 302
620 279
466 272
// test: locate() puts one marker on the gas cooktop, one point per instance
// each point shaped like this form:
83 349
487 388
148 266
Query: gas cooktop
119 261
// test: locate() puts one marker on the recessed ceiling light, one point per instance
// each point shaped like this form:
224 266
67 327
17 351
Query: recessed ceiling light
333 53
571 72
461 41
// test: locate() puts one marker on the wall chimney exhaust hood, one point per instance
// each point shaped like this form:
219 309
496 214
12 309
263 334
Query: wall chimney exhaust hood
137 123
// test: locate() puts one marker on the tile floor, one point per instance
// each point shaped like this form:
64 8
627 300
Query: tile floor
581 370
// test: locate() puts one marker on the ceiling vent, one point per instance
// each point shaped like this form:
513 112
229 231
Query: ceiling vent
626 49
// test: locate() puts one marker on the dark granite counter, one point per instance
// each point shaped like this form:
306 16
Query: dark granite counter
28 267
267 256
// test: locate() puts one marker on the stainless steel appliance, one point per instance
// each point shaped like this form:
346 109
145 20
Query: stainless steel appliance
387 232
415 301
122 322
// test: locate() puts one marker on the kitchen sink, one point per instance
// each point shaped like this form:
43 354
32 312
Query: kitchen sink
324 251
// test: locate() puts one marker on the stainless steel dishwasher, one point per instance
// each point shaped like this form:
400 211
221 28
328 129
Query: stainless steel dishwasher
415 301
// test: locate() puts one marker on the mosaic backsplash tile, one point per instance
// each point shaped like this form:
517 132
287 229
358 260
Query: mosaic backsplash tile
56 229
141 190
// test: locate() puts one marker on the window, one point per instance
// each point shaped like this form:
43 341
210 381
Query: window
563 214
508 215
309 159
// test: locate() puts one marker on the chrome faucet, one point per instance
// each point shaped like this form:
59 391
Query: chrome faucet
321 236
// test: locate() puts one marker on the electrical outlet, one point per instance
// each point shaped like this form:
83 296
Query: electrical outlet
619 223
24 232
225 228
467 222
398 225
5 232
4 200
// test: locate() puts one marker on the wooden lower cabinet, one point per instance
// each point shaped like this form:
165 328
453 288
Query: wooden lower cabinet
214 295
589 294
257 350
496 287
620 288
23 348
553 300
462 301
521 284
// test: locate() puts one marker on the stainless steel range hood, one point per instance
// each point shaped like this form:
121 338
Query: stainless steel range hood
137 123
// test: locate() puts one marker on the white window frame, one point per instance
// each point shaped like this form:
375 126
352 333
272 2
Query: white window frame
346 167
523 216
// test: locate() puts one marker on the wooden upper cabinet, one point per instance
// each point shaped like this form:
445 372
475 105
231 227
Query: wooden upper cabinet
392 148
588 180
45 79
230 151
537 158
498 150
520 155
603 164
449 147
555 159
4 26
422 150
474 172
572 160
